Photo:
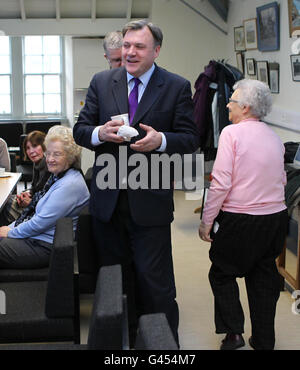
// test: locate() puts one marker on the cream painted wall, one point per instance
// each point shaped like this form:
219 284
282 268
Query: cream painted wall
190 42
287 103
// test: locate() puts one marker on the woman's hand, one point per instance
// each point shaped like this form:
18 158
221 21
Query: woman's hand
4 231
204 231
24 199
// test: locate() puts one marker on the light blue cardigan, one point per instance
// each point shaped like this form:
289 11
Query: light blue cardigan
66 197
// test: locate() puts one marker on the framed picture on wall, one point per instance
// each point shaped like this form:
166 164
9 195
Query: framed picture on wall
239 39
268 27
250 62
262 71
250 34
240 62
294 15
295 64
274 77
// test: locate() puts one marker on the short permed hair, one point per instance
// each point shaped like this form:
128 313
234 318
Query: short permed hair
65 136
256 95
140 24
112 40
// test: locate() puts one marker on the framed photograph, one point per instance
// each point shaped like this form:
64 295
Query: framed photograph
295 62
240 62
250 62
294 16
262 71
274 77
250 34
239 39
268 27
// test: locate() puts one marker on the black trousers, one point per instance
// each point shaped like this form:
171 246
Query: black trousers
145 255
247 246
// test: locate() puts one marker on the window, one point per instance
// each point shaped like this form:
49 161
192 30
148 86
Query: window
5 76
42 75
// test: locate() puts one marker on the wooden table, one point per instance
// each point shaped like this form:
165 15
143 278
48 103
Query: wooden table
7 186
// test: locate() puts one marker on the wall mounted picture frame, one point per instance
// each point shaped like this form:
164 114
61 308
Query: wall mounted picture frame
240 62
268 27
262 71
250 29
250 63
295 64
294 16
239 39
274 77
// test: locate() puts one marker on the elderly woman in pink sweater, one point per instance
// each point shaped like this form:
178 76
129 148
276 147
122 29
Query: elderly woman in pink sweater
245 218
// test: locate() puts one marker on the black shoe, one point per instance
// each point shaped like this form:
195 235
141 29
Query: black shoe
232 341
252 343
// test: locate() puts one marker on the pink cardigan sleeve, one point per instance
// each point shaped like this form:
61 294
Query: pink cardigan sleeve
221 178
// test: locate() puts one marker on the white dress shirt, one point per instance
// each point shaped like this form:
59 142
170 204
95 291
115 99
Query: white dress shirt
144 78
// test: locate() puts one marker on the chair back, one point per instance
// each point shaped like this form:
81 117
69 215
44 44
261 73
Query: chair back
154 333
106 325
10 132
40 126
60 288
86 253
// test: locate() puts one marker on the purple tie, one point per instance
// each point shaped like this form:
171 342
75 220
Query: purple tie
133 99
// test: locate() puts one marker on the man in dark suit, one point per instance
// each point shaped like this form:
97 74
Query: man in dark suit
132 226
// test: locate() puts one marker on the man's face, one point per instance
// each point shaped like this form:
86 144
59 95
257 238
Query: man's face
138 51
114 58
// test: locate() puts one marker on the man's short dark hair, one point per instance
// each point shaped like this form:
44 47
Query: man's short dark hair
140 24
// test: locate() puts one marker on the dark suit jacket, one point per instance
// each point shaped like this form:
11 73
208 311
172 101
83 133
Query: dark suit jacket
167 106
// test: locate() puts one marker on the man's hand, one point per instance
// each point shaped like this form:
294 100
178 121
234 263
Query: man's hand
4 231
204 231
108 132
150 142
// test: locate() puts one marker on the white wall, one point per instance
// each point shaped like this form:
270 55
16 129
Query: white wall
286 104
190 42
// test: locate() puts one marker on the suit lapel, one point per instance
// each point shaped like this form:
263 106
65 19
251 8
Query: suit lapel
150 95
120 90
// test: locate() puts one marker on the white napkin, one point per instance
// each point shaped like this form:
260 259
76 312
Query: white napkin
127 132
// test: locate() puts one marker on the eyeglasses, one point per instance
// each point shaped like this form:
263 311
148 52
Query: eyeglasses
233 101
55 155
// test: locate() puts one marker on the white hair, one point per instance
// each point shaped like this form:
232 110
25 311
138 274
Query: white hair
256 95
65 136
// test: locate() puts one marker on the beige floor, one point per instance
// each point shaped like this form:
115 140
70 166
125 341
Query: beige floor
191 263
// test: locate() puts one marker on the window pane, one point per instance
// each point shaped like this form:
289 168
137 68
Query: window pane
34 104
33 84
5 106
51 45
33 45
52 103
4 84
4 64
4 45
52 64
51 84
34 64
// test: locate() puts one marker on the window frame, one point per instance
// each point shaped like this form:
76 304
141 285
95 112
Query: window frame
7 115
43 74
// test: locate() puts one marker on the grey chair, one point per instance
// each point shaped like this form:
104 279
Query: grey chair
154 333
44 311
108 328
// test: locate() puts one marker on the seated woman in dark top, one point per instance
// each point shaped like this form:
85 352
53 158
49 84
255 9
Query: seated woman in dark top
34 149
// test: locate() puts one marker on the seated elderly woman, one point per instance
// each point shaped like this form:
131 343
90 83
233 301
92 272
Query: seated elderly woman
34 149
27 243
245 218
